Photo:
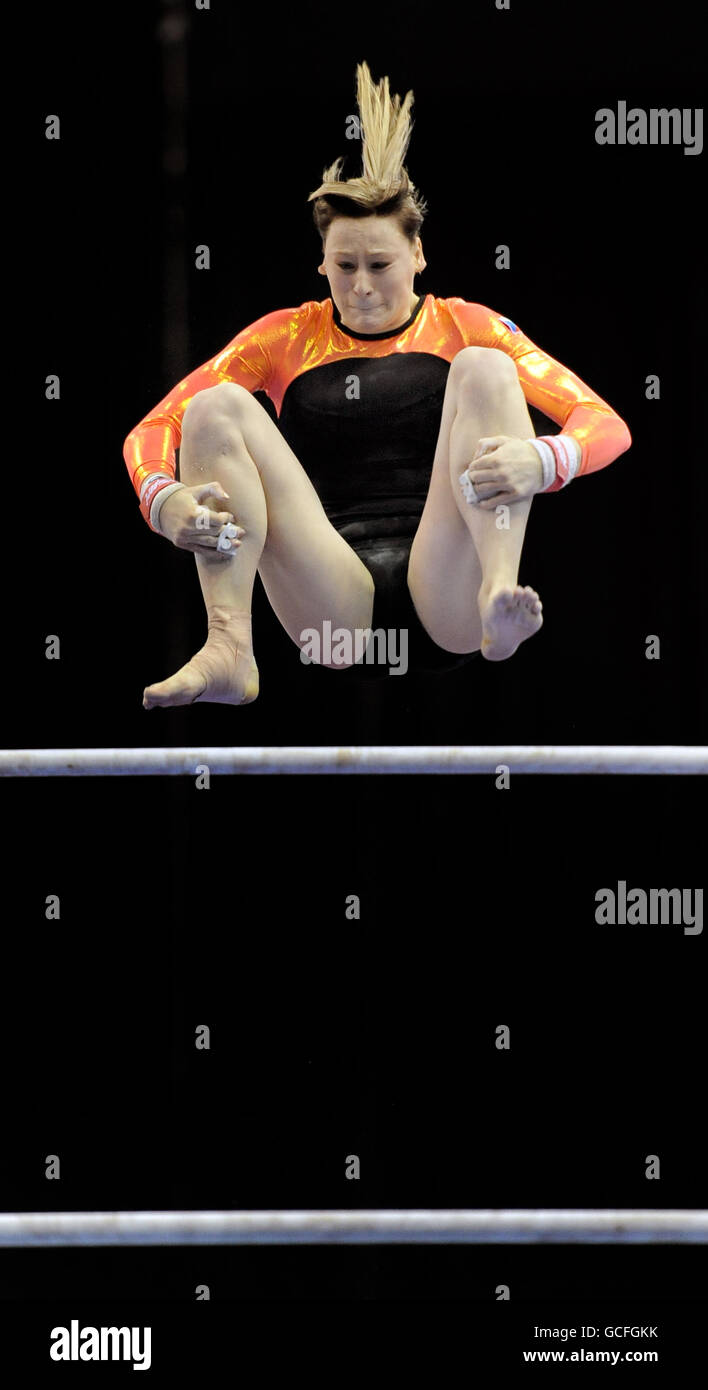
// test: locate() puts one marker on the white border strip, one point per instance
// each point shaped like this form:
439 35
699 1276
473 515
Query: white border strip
160 762
379 1227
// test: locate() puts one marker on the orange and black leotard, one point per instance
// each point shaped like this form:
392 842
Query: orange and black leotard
368 445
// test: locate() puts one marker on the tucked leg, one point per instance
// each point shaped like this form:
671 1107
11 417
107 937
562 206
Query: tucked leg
464 565
310 573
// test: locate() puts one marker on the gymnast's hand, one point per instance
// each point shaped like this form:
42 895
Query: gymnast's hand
504 469
193 526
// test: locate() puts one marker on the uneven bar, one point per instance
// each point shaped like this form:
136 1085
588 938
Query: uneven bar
378 1227
624 760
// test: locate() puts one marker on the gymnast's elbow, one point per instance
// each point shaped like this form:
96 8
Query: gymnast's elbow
624 438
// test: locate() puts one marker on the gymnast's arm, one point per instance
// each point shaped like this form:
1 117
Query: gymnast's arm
149 450
593 429
598 433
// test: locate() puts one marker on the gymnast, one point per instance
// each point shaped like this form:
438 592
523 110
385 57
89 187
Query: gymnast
395 488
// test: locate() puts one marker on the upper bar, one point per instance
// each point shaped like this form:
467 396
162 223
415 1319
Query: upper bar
160 762
377 1227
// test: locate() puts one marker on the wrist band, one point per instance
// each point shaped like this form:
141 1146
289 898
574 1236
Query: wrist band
154 486
548 462
151 479
560 456
162 494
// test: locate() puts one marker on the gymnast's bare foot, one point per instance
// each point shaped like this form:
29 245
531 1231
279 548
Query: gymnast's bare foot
222 672
509 615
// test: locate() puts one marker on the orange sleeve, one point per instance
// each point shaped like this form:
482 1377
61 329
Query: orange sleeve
252 359
549 386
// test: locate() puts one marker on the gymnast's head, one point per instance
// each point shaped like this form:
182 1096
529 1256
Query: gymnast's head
369 226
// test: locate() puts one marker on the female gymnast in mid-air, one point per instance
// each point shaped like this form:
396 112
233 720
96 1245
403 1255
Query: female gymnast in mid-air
395 488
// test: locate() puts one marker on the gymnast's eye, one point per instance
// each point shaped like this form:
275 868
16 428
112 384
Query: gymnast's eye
377 265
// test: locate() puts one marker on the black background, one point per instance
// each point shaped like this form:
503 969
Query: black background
180 906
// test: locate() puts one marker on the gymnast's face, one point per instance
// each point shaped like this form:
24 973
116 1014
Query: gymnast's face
370 265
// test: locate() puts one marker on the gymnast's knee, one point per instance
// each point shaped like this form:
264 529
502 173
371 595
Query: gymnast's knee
213 409
336 648
482 369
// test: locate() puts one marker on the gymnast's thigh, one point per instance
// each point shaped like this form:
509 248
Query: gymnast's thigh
311 575
387 559
318 578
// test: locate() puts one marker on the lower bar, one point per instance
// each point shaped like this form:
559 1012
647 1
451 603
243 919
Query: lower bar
379 1227
626 760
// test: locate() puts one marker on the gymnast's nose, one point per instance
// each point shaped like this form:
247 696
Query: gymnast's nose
362 286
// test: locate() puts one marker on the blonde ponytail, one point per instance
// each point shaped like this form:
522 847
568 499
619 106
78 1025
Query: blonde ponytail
384 184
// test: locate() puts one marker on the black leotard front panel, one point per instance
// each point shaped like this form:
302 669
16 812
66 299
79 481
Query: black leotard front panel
365 431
